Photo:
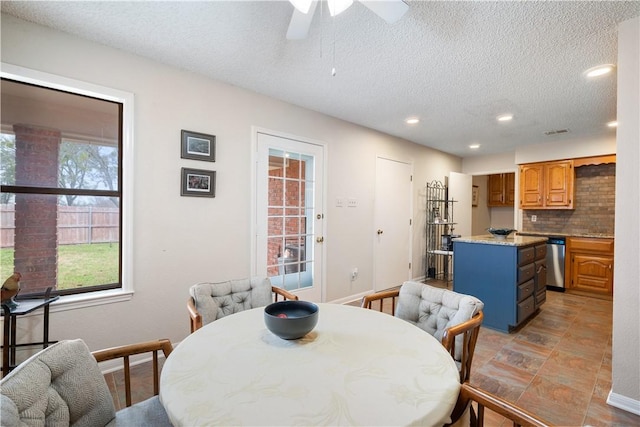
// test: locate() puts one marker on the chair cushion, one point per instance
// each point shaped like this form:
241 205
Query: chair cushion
436 309
59 386
149 412
216 300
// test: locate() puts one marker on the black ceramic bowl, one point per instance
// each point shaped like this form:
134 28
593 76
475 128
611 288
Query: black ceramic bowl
500 233
291 320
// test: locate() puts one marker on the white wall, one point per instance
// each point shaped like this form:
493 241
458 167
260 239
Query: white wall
490 164
181 240
567 148
625 391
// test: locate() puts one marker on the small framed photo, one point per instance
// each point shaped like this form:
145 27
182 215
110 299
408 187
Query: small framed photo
198 183
198 146
474 195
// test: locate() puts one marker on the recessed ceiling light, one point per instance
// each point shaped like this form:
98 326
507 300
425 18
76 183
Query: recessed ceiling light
613 124
599 70
474 146
504 117
412 120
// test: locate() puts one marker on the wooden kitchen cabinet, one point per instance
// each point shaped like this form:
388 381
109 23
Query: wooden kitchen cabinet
501 190
590 266
547 185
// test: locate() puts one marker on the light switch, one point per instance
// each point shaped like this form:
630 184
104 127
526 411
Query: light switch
352 203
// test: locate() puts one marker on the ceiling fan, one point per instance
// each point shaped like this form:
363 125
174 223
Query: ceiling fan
389 10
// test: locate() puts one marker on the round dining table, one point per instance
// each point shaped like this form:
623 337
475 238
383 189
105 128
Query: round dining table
356 367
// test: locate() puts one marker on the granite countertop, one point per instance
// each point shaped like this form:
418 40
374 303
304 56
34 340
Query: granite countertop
544 234
488 239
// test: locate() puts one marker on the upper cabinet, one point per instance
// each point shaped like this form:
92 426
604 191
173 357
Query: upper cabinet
547 185
501 190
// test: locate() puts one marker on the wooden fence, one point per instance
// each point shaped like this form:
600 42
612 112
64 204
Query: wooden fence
76 224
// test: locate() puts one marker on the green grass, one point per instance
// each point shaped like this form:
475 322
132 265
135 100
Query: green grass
78 265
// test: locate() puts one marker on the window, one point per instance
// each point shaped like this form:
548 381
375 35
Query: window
65 208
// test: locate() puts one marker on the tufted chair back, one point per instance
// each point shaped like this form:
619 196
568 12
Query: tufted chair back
216 300
436 309
60 385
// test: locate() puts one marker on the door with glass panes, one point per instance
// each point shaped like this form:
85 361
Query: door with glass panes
289 217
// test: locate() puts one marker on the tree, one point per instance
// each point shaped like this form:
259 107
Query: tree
86 165
7 164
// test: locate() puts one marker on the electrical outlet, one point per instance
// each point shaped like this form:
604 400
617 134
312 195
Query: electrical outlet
354 274
339 202
534 218
352 203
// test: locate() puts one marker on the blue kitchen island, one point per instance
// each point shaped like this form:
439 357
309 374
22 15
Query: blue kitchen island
508 276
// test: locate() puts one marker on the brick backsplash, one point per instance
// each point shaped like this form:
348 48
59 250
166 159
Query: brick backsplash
594 204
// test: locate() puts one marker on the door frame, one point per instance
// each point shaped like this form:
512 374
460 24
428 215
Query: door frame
255 130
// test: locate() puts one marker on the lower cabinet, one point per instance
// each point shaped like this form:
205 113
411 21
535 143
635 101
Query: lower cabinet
541 274
509 279
590 266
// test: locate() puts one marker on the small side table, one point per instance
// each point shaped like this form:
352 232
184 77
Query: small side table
10 315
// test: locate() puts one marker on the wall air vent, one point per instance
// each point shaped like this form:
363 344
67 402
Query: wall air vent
556 132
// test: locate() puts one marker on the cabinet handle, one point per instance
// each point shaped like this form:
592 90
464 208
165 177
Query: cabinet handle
609 266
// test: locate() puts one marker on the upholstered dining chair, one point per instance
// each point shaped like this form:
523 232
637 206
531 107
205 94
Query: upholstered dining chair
63 385
452 318
211 301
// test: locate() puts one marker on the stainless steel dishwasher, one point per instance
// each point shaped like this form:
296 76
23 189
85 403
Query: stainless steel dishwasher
555 263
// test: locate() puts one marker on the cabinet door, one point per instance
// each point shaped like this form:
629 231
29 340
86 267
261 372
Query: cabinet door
592 273
495 190
531 185
509 189
559 184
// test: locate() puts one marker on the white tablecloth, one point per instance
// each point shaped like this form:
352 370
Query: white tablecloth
357 367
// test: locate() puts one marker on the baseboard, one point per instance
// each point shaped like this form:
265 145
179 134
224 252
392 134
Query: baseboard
351 298
623 402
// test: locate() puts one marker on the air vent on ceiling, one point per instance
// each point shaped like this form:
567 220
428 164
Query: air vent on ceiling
555 132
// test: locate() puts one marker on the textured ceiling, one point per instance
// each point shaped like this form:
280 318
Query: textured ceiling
455 65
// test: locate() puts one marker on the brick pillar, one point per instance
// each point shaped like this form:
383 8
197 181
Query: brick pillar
36 218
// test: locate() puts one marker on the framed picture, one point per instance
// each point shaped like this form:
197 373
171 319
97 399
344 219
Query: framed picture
198 146
198 183
474 196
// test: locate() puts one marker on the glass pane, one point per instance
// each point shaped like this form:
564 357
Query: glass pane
275 226
7 160
276 162
292 193
60 140
276 192
88 166
294 166
58 244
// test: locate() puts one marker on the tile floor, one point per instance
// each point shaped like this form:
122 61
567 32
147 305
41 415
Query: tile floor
557 366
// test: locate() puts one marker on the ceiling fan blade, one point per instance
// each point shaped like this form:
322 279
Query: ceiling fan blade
300 23
390 10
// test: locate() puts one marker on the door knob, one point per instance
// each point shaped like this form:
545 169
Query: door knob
319 239
380 231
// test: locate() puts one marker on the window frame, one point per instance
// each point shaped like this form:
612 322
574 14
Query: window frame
52 81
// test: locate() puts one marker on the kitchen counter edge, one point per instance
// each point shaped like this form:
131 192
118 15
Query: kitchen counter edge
518 240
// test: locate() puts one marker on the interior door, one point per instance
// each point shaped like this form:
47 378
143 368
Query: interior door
392 213
289 214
